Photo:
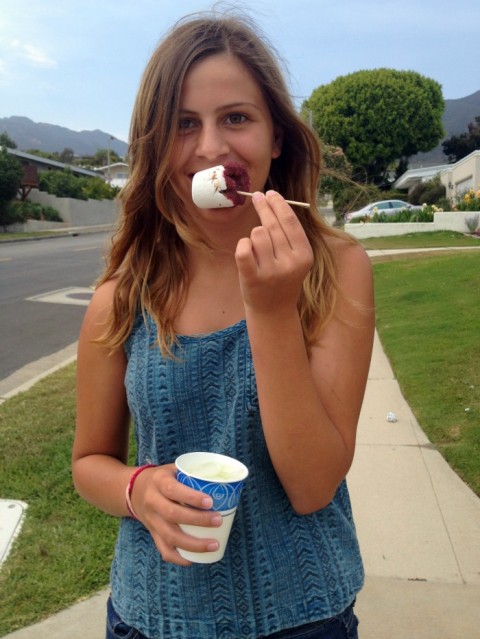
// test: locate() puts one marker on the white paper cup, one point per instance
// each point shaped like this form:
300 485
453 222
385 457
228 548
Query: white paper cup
222 478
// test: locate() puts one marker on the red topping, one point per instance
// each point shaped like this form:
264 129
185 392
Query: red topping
236 178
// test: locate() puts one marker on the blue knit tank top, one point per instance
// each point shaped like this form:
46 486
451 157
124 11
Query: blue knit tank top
280 569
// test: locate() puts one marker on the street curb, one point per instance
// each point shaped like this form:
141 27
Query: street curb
27 376
66 232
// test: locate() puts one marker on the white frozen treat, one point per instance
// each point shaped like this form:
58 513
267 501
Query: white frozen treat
217 187
217 471
207 187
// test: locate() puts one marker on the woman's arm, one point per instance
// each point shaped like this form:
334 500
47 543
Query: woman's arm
309 406
100 447
100 450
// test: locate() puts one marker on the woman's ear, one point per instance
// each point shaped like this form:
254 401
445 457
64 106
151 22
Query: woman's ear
277 142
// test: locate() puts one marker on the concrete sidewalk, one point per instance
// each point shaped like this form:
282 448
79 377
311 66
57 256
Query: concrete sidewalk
418 525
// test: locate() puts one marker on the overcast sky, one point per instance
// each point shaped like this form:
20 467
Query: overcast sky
77 63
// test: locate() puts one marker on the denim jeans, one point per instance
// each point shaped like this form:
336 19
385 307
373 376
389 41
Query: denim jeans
342 626
116 629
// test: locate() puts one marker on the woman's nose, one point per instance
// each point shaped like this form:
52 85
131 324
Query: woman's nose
211 143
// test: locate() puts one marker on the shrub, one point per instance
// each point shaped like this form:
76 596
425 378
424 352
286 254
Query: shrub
97 189
11 214
67 184
11 173
430 192
445 204
51 215
425 214
61 184
472 223
21 211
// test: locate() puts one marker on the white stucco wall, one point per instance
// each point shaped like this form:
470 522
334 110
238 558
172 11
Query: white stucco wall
445 221
78 212
462 176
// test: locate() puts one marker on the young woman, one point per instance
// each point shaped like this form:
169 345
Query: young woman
245 331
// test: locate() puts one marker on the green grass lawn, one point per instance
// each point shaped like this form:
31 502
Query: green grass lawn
65 547
436 239
428 313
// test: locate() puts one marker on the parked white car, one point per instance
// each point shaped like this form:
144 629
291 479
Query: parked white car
389 207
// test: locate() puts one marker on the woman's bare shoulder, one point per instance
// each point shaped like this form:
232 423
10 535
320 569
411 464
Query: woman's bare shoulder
99 308
354 274
348 253
104 293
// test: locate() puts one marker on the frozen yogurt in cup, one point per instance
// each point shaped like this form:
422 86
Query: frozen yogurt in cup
222 478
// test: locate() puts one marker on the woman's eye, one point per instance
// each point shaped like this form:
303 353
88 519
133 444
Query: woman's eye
185 123
236 118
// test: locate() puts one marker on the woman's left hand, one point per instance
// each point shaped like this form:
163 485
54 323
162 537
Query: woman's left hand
275 259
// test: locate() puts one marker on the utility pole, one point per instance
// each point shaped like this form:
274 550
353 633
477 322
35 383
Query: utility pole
109 175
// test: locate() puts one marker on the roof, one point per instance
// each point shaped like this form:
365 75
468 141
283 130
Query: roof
111 166
412 176
39 161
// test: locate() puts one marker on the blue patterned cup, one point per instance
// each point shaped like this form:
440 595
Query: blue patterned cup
220 477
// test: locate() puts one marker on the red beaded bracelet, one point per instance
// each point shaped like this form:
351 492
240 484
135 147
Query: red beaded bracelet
128 492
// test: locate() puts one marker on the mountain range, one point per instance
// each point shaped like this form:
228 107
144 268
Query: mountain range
50 137
457 116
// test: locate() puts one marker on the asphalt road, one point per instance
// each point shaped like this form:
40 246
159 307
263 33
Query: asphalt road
45 286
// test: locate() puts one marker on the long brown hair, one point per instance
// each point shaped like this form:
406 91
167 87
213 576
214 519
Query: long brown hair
148 256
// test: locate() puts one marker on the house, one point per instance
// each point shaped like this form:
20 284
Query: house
44 164
32 164
462 176
413 176
457 178
115 174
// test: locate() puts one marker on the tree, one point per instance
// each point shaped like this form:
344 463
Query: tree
6 140
103 157
49 155
377 117
459 146
11 174
67 156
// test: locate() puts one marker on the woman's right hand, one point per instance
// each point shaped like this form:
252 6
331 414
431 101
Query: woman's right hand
161 503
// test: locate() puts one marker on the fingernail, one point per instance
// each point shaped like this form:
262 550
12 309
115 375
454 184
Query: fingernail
217 520
257 196
271 192
213 545
207 502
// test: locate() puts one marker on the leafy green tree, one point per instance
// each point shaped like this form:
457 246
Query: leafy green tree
11 174
49 155
102 157
377 117
67 156
459 146
6 140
